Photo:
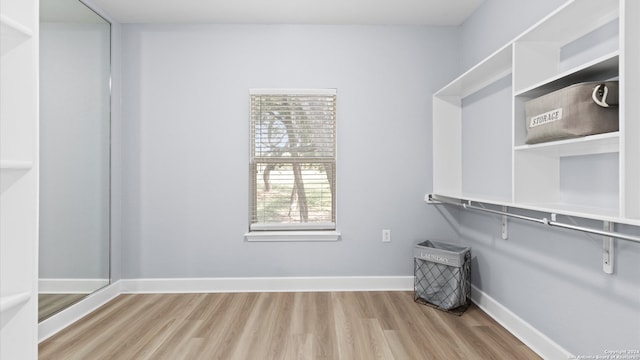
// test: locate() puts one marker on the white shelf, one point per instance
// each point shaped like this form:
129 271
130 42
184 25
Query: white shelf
603 68
11 171
487 199
475 198
585 212
588 212
15 165
571 21
494 67
10 302
13 33
587 145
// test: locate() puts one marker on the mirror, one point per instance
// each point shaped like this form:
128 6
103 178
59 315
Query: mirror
75 47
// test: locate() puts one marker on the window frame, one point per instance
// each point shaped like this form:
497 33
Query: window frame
320 231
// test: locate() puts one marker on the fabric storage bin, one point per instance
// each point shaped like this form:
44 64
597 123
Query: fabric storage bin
577 110
442 275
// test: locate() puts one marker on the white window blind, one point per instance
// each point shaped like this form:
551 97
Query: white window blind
293 159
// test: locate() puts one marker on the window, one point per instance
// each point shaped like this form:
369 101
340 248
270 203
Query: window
293 160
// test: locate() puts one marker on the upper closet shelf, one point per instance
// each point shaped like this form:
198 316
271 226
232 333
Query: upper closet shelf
13 33
603 68
571 21
494 67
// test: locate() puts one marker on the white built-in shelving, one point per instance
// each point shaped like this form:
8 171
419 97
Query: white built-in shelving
479 127
11 172
10 302
13 33
19 178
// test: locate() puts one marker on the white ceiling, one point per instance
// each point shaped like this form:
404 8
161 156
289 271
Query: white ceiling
353 12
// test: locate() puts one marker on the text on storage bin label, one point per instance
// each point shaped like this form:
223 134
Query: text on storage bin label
550 116
434 258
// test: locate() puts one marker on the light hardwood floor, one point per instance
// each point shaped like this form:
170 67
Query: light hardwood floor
327 325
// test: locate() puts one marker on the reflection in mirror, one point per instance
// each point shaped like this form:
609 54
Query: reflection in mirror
74 154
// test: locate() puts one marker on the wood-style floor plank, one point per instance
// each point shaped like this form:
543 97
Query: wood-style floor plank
326 325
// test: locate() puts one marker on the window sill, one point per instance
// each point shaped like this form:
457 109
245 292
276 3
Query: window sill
278 236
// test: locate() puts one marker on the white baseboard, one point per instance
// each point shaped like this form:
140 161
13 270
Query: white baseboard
530 336
75 312
268 284
70 286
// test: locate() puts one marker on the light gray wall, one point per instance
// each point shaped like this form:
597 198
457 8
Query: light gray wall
74 151
497 22
551 278
486 141
185 145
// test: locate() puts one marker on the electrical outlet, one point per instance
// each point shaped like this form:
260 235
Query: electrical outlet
386 235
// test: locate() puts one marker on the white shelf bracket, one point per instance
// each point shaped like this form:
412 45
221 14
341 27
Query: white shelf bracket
505 224
608 246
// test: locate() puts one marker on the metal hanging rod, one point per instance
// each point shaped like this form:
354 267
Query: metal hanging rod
467 204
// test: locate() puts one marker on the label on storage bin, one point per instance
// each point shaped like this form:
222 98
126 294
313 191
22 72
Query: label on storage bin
434 257
550 116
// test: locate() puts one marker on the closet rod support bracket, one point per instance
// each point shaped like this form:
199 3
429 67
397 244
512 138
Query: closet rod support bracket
608 246
505 224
